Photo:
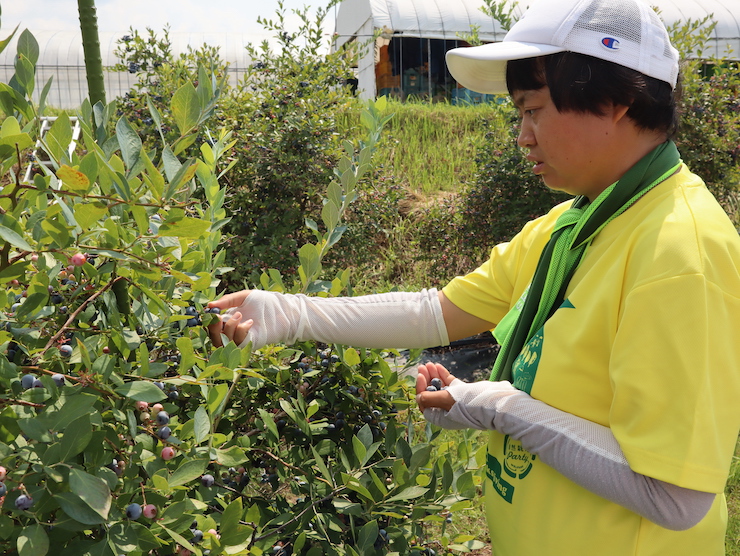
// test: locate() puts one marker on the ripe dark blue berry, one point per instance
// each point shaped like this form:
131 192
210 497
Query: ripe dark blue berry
133 511
207 480
27 381
3 489
58 379
197 535
437 383
24 502
164 433
163 418
65 350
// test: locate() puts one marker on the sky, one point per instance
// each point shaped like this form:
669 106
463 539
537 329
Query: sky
203 16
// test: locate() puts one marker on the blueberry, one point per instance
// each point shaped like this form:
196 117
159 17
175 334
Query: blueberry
213 310
27 381
159 385
58 379
437 383
192 322
164 433
207 480
37 383
133 511
24 502
65 350
197 535
191 311
432 389
163 418
3 489
173 396
56 299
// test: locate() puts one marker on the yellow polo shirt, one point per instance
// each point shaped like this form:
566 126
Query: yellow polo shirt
646 343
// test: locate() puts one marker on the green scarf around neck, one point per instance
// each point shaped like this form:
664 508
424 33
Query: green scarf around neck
573 232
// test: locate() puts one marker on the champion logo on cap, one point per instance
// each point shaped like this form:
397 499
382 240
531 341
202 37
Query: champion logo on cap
610 42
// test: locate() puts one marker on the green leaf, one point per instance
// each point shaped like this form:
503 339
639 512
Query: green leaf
202 426
33 541
129 142
92 490
216 397
367 537
187 354
36 430
122 538
141 391
186 108
308 255
76 438
232 533
88 214
359 449
321 465
231 457
351 357
28 46
14 239
67 409
409 493
330 215
353 484
74 507
187 472
24 74
185 228
32 304
4 43
289 410
59 137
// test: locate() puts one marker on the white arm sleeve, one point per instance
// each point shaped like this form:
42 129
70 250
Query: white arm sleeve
383 321
585 452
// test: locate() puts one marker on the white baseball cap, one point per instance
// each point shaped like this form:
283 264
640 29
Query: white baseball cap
626 32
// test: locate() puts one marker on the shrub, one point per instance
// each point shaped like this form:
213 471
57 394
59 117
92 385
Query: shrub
284 117
709 132
160 73
109 258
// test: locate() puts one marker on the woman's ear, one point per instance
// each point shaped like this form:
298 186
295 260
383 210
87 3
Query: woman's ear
618 112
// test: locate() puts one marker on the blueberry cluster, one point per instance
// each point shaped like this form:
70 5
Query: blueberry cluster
435 385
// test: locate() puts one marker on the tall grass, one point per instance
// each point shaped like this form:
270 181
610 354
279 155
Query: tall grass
431 147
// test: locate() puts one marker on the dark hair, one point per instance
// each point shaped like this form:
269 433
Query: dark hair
581 83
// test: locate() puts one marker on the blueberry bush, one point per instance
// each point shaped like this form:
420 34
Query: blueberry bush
285 117
709 133
160 73
122 429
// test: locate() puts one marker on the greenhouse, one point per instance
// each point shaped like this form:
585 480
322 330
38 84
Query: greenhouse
61 57
406 59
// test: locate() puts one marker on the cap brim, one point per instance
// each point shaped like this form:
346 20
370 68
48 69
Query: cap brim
483 68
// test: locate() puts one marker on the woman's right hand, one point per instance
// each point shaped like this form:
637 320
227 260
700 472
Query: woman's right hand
230 324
